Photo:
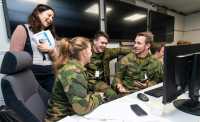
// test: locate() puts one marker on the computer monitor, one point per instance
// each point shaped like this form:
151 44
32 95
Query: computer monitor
181 74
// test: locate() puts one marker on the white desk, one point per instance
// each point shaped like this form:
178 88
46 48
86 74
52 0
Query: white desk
119 111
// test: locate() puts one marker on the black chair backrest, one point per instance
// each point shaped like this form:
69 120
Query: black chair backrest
20 89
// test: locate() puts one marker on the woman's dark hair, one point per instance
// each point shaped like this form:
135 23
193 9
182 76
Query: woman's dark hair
34 20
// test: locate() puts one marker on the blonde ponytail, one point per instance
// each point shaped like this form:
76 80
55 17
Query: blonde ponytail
70 49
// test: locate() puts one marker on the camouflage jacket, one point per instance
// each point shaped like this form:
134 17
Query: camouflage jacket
100 62
69 95
130 69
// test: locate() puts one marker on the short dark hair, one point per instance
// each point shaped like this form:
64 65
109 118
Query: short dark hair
157 47
101 33
148 35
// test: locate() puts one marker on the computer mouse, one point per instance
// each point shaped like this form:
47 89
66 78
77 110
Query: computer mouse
142 97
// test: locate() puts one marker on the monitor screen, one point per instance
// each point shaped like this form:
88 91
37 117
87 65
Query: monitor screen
73 17
125 20
162 26
182 73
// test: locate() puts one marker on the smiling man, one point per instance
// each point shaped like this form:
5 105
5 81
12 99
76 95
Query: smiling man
98 69
139 69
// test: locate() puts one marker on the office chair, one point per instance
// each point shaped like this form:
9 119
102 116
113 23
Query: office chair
20 89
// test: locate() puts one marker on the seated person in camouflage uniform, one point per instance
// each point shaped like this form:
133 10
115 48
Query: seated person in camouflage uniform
70 95
157 51
139 69
98 68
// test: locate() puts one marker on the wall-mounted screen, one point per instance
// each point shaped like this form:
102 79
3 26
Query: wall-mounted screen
125 20
162 26
73 17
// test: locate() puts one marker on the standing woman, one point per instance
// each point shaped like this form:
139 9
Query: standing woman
69 94
22 40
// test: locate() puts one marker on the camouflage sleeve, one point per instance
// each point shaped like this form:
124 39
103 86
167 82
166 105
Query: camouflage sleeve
157 72
160 72
120 71
112 53
75 88
84 105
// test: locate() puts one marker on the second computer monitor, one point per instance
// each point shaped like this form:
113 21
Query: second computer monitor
181 73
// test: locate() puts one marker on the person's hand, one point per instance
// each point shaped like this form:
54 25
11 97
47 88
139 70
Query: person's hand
121 88
141 84
101 94
43 47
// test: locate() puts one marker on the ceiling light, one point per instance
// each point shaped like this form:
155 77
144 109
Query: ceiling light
134 17
94 9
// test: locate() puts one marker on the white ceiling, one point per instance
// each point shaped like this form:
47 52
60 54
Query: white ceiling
183 6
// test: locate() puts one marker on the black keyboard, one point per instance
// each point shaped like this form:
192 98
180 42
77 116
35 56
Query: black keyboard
157 92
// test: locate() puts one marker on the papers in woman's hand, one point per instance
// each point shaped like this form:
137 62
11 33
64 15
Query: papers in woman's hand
43 37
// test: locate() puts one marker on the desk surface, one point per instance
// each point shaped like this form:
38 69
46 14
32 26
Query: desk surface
119 111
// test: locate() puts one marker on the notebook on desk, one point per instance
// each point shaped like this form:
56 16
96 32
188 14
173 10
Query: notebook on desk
156 92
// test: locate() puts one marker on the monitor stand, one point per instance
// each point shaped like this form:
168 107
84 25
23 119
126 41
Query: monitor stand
188 106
